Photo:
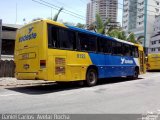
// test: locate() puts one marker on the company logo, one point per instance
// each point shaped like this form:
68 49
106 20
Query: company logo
29 36
125 61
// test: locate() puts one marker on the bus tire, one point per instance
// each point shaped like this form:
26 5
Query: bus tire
136 74
91 77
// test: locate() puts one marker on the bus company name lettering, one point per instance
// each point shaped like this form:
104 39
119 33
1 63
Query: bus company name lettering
83 56
29 36
125 61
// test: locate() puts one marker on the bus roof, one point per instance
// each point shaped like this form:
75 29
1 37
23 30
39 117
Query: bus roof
79 30
97 34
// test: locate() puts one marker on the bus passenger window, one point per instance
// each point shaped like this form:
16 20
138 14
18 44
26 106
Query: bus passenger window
53 41
67 39
134 51
87 42
117 48
104 45
127 50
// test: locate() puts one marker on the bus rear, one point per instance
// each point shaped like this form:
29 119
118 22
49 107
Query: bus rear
153 62
30 51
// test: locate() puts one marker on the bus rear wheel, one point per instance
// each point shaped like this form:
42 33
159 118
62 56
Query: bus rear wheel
91 77
136 74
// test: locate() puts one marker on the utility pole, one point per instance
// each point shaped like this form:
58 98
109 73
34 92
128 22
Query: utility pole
0 38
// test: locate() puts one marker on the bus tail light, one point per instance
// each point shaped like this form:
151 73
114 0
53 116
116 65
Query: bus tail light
42 64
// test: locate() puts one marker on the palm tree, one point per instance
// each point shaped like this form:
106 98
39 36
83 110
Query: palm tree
131 38
99 26
117 33
140 39
79 25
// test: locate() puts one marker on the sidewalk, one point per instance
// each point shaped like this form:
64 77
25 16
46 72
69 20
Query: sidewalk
13 82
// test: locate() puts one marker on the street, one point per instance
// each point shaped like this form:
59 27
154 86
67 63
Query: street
118 95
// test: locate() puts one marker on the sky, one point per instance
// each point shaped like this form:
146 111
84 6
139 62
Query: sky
24 11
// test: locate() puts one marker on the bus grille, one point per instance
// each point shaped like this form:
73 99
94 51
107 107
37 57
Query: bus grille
60 66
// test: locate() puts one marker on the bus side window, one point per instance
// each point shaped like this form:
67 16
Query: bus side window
116 48
104 46
87 42
67 39
53 41
119 48
134 51
127 50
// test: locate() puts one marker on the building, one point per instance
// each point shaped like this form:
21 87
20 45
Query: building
139 16
106 9
8 40
155 38
92 9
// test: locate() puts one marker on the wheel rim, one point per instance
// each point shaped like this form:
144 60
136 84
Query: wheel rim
92 77
136 74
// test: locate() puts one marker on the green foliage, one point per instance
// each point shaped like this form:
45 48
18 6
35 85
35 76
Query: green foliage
140 39
79 25
99 26
120 34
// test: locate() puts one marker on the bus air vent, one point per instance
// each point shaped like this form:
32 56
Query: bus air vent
60 66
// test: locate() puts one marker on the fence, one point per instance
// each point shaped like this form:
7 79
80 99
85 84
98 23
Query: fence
7 68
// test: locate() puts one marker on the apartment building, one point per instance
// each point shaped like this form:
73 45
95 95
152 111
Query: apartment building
106 9
155 38
139 17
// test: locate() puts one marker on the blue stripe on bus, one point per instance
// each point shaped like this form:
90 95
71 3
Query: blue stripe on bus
112 66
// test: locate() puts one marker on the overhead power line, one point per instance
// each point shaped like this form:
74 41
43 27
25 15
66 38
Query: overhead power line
60 7
57 1
57 8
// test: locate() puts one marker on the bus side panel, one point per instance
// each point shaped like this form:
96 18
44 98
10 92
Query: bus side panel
113 66
78 63
67 66
153 62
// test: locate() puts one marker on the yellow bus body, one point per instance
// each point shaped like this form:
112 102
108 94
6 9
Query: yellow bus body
36 50
153 62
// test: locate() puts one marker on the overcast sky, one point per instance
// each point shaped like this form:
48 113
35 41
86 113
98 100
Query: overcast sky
28 10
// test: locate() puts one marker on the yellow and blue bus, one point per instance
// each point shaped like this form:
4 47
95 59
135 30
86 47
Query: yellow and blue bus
51 51
153 61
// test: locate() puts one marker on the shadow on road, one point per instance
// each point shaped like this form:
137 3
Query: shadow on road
53 87
154 71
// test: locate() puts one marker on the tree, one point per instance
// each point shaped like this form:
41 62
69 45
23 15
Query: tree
117 33
99 26
140 39
79 25
131 37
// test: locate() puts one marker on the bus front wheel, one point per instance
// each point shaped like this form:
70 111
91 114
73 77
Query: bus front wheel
91 77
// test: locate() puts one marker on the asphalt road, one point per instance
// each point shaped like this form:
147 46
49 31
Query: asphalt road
110 96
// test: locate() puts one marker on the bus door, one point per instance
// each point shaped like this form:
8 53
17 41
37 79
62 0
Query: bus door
142 63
